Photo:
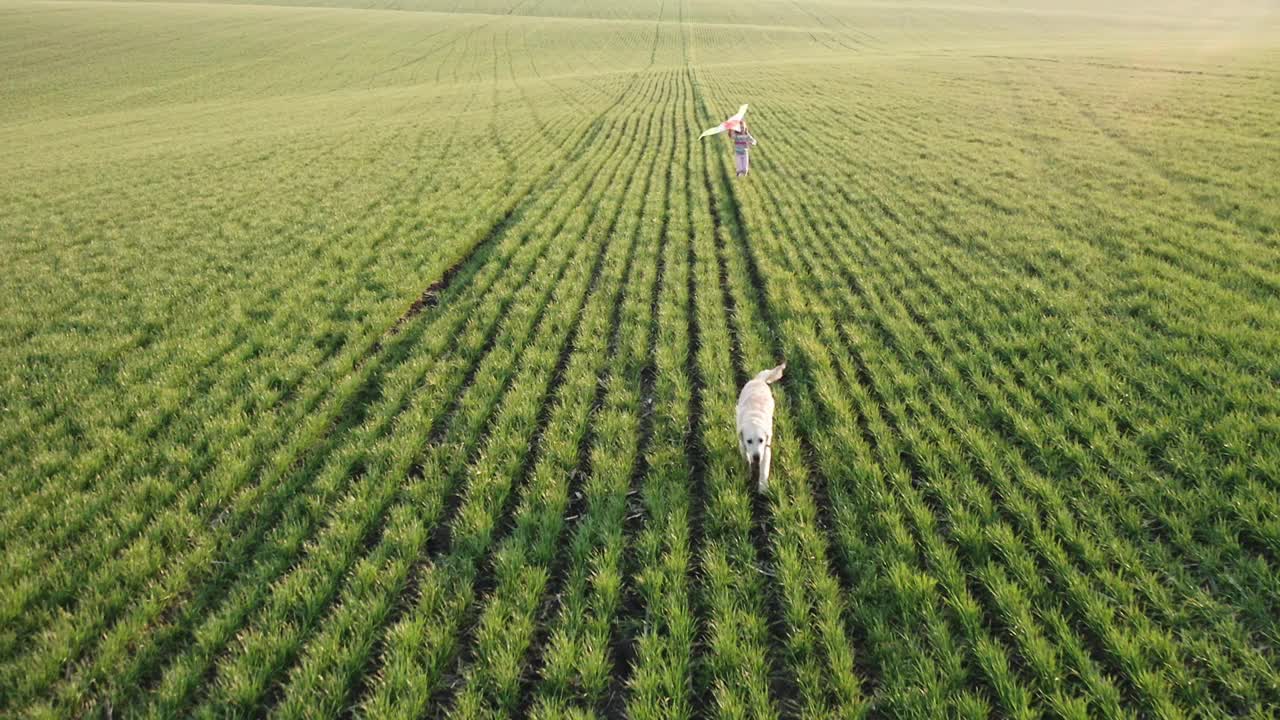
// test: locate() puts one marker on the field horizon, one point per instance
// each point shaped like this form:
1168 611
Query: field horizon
381 360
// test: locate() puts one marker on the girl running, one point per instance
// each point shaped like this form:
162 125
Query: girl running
742 144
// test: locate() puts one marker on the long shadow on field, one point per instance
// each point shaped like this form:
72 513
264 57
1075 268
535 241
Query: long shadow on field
783 687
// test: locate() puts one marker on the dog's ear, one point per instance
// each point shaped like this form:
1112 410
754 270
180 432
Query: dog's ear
775 374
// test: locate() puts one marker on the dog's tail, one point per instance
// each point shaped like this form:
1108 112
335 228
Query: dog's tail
774 375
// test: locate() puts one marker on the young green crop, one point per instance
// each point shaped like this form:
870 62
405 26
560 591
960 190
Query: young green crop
383 362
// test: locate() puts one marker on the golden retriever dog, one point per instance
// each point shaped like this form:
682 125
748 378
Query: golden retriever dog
755 422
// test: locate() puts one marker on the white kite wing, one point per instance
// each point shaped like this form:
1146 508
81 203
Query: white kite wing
733 120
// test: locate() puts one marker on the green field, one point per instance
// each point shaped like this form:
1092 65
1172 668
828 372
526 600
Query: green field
382 361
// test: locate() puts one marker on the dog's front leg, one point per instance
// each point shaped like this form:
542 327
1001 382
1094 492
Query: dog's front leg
766 458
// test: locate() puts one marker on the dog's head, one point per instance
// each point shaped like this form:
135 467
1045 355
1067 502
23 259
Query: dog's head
754 441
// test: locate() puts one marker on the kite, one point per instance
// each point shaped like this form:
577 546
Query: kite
733 122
